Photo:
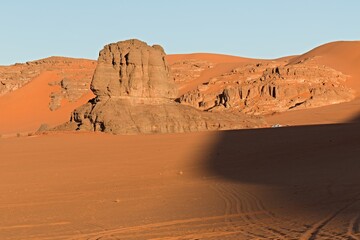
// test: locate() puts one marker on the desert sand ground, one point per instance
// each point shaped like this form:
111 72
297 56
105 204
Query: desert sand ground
283 183
296 182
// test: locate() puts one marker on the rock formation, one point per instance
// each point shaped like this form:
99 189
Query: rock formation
135 94
185 71
270 86
132 69
71 89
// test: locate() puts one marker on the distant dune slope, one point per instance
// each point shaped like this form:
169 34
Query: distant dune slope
211 57
343 56
200 67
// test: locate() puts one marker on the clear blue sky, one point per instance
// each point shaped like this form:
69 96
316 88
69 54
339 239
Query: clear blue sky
33 29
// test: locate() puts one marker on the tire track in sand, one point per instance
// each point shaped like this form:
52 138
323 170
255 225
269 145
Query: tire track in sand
312 233
154 226
353 230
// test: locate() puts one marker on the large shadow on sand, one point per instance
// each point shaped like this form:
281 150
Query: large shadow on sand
318 158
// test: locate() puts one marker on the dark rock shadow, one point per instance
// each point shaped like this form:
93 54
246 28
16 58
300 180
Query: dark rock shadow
303 160
355 119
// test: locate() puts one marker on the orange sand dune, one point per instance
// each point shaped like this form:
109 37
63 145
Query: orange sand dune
25 109
211 57
343 56
285 183
217 70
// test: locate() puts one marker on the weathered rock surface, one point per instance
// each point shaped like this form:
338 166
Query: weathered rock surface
135 94
185 71
15 76
125 116
71 89
133 69
268 87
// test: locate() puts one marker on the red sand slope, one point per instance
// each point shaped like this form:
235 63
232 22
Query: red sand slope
343 56
223 64
211 57
25 109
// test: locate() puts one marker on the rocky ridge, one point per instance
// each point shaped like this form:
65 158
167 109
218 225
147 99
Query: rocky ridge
270 86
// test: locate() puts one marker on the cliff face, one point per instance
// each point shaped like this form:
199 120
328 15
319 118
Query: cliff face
135 94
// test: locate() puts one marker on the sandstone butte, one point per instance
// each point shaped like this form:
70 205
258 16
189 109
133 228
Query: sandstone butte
135 94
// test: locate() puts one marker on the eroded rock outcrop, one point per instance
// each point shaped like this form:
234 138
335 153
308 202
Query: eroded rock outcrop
135 94
185 71
76 76
71 89
134 69
269 87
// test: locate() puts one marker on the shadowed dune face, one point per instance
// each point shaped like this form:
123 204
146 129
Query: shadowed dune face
355 119
308 165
